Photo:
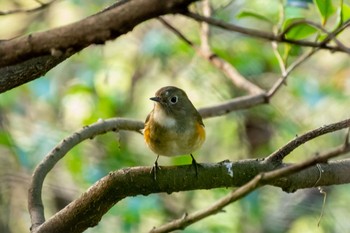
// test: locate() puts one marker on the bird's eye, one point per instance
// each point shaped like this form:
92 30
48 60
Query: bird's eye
174 99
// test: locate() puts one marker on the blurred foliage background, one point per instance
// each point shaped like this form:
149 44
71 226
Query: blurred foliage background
117 79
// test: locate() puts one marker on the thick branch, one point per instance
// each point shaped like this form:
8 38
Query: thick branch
72 38
35 205
16 75
87 210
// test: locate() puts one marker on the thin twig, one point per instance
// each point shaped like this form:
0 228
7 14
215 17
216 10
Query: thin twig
176 32
277 156
305 56
218 62
287 71
263 34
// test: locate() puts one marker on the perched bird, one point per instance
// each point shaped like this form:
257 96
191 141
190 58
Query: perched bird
174 126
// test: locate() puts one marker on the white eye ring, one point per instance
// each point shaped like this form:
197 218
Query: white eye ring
174 99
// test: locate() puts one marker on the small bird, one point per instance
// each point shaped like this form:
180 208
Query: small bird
174 126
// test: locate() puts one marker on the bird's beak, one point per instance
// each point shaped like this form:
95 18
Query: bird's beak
156 99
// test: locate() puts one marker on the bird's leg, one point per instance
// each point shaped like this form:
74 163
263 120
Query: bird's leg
155 168
195 165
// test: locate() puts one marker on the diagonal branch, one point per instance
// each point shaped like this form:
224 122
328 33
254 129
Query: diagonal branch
286 71
100 28
72 38
205 52
219 62
277 156
258 181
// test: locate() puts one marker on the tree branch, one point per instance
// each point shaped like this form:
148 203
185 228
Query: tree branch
87 210
239 103
259 180
205 52
266 35
72 38
16 75
286 71
35 205
277 156
220 63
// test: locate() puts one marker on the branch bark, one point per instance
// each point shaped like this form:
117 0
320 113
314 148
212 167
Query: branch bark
258 181
88 210
35 205
205 52
84 213
37 53
55 45
29 57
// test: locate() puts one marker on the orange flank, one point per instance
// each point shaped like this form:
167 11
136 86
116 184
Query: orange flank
201 134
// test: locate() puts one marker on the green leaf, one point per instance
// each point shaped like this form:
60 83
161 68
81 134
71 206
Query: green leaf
252 14
325 8
346 12
300 31
292 50
343 14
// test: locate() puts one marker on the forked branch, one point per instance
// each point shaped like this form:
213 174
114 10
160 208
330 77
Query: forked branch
34 196
258 181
